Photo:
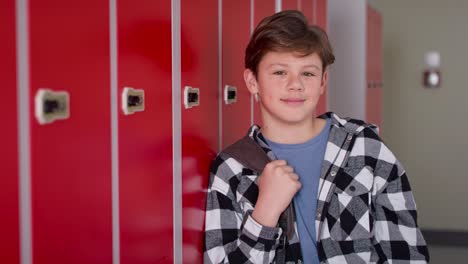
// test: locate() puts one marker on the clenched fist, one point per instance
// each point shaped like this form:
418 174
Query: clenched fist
276 187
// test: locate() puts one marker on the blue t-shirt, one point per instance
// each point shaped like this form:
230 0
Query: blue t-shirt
306 159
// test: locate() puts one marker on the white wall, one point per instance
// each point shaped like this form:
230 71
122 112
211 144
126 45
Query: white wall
347 33
427 129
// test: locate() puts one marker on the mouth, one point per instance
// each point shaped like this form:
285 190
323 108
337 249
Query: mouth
293 101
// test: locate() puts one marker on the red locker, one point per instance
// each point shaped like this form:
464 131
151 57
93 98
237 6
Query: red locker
145 137
374 67
262 9
291 4
71 159
9 240
200 133
236 33
307 8
321 20
321 13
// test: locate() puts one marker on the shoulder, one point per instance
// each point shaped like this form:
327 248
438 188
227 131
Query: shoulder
224 165
224 173
367 143
370 150
353 124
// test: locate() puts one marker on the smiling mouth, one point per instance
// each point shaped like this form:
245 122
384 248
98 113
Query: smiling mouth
293 100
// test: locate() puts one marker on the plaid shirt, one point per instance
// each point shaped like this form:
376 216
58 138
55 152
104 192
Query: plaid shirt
366 212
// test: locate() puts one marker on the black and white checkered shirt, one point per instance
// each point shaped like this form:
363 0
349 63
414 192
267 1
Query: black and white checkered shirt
366 212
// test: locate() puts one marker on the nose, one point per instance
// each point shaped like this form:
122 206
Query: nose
295 83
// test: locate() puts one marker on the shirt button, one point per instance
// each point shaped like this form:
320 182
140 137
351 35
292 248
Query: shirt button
319 215
350 137
333 173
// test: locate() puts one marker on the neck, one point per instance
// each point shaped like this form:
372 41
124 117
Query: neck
293 133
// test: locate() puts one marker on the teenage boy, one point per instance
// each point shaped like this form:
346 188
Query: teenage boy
351 199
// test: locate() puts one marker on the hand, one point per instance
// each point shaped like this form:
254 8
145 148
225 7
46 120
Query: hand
276 187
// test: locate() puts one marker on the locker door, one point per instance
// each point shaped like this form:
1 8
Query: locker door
374 68
236 33
321 20
307 8
321 13
9 240
369 68
379 68
71 159
262 9
290 5
200 124
145 137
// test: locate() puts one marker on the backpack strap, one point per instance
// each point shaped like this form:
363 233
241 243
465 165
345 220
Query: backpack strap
248 153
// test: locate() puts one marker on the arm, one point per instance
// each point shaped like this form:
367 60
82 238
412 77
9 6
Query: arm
231 234
397 237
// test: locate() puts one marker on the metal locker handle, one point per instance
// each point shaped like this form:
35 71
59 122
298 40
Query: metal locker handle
133 100
230 94
191 97
51 106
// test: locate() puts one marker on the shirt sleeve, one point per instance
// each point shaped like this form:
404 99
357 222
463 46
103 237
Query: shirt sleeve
397 237
231 234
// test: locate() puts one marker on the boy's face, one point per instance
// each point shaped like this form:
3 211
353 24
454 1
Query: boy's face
289 87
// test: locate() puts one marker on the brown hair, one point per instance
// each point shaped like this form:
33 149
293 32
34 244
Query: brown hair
287 31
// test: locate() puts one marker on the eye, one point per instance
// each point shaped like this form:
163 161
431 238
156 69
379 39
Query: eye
308 74
279 73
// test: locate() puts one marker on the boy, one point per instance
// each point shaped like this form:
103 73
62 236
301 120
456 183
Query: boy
351 198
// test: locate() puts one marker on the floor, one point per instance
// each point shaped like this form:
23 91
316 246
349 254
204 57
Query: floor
448 255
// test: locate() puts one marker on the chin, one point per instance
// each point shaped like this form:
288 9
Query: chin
290 121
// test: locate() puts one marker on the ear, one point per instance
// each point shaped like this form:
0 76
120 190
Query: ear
250 81
324 82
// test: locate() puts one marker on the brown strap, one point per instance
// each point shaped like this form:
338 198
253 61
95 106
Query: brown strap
249 154
252 156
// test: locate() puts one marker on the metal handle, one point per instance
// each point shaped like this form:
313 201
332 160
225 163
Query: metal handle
51 106
133 100
191 97
230 94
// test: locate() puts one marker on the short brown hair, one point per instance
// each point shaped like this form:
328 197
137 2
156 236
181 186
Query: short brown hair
287 31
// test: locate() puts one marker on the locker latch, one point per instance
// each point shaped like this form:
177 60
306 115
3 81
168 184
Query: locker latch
133 100
230 94
51 106
191 97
